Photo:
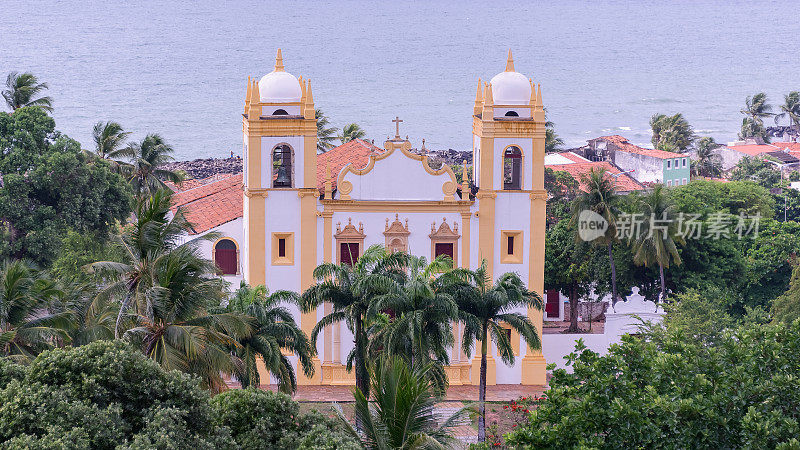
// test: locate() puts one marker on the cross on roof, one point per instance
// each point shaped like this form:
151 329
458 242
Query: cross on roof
397 122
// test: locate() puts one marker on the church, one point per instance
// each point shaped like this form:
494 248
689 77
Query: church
299 208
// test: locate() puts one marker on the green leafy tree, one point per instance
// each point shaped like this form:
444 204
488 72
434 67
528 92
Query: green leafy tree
602 199
790 109
26 327
757 170
401 414
274 330
672 133
708 163
483 307
755 111
144 166
656 244
352 131
105 395
50 186
109 139
786 308
326 134
672 390
23 89
420 331
351 289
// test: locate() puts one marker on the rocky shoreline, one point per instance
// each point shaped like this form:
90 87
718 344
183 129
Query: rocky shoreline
203 168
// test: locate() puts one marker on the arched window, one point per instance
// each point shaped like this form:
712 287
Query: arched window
282 166
512 114
280 112
512 168
226 257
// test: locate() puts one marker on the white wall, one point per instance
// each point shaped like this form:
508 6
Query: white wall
233 230
397 177
282 216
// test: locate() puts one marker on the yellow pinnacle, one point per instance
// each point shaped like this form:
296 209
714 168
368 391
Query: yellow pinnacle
279 62
510 62
479 94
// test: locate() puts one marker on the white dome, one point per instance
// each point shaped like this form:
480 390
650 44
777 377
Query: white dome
511 88
279 87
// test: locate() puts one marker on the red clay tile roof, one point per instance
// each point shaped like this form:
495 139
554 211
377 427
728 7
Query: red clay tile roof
793 147
624 182
753 149
574 157
192 183
356 152
211 205
624 145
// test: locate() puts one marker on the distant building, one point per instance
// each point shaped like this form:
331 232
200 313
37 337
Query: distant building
647 165
783 152
578 166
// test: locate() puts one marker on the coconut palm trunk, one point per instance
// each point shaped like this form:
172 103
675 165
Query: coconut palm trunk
482 387
663 286
362 376
613 276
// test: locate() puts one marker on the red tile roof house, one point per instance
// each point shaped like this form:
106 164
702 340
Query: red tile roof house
214 205
647 165
784 152
578 166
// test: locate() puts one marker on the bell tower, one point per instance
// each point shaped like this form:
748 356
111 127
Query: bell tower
508 131
280 182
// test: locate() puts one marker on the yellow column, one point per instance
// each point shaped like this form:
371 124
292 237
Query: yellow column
534 366
465 239
256 273
486 229
308 260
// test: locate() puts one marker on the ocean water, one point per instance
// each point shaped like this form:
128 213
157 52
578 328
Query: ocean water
605 66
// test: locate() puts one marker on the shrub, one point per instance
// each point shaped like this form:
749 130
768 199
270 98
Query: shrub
265 419
104 395
672 390
10 371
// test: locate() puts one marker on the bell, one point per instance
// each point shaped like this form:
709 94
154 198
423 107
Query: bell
283 177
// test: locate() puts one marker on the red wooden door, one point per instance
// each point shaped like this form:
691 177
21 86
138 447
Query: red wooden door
551 304
225 257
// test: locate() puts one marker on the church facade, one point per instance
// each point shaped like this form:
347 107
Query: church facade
301 209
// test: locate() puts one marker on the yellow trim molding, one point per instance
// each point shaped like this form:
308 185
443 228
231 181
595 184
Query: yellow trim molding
288 258
516 256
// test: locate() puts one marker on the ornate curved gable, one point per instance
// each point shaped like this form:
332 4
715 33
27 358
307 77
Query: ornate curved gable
397 174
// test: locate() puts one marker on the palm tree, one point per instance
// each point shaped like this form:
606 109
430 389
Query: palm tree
144 167
352 131
92 317
22 89
351 290
109 139
601 198
402 414
146 244
757 108
552 143
326 135
752 128
708 163
420 331
672 133
790 109
26 326
655 244
178 331
274 329
483 308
